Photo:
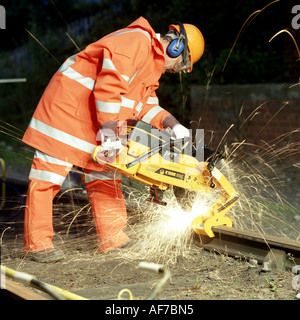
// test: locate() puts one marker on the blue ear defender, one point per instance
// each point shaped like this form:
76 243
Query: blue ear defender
179 45
175 47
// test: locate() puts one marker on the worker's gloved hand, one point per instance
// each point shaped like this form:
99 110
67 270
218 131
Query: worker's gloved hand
181 132
111 145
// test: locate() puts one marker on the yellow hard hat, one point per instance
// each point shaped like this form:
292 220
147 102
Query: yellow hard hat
196 42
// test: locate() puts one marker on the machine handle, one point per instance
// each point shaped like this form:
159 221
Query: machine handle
153 151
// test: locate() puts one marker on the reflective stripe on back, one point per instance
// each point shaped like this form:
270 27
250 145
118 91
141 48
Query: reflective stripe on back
65 69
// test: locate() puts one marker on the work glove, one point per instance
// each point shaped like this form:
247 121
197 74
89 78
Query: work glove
110 147
181 132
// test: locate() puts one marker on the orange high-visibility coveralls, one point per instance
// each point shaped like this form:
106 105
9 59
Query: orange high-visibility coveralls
113 79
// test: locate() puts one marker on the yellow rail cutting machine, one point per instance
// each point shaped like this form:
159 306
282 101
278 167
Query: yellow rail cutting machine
153 158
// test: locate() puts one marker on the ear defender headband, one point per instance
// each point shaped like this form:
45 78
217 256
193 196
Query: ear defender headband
179 45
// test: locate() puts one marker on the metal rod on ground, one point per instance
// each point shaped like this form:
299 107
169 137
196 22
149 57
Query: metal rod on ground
152 267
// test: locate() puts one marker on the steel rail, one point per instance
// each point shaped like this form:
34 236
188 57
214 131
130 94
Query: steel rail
279 252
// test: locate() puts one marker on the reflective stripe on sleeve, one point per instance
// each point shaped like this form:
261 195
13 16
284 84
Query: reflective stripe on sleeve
152 100
111 107
126 78
108 64
128 103
114 107
152 113
138 108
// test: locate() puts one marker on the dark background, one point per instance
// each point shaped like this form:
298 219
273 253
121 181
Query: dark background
253 60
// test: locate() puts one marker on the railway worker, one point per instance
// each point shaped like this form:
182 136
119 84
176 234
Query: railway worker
113 79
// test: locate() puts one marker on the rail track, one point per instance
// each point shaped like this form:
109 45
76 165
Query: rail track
272 252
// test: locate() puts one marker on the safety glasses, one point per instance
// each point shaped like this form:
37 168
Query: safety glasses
181 66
